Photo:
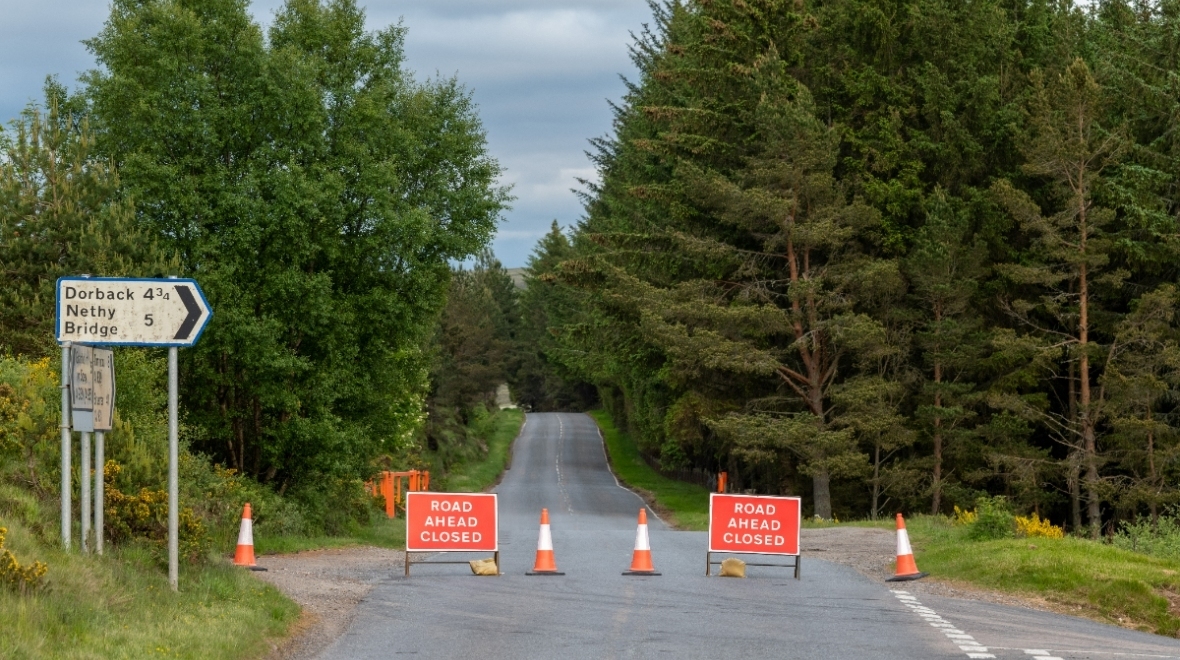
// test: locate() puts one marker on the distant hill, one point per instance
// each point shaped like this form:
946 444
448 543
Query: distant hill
517 275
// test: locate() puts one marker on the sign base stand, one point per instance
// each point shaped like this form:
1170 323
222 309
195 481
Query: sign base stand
495 556
709 563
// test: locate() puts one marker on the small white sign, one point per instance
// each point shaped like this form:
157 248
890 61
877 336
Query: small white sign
81 389
102 370
130 312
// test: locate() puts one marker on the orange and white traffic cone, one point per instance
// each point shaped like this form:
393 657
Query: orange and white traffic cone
545 564
244 554
641 559
907 568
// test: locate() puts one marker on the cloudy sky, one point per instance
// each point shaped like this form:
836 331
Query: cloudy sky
540 70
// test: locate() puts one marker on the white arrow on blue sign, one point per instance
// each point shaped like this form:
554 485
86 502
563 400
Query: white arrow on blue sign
119 311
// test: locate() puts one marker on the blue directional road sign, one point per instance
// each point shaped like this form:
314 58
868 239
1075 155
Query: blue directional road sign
118 311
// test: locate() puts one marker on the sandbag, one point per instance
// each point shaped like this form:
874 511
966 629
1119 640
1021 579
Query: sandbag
484 566
733 567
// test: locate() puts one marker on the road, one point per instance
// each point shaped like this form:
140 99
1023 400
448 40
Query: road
443 611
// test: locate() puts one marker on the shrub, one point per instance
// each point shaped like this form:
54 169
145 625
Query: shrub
21 579
993 519
1034 526
1160 540
963 517
143 517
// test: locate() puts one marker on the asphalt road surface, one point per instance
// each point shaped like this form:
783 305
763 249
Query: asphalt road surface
443 611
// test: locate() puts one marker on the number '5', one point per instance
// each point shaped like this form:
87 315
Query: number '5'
147 319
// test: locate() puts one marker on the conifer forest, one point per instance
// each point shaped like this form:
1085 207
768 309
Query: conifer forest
890 255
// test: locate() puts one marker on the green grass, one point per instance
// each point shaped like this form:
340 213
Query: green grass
120 606
683 505
1087 578
382 532
478 476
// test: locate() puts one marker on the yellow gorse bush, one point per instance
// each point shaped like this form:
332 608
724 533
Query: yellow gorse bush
964 517
22 579
1034 525
145 516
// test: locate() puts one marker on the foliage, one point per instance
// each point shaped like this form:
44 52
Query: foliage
472 351
318 194
481 473
59 215
144 517
993 520
21 579
1035 526
964 517
889 258
1158 538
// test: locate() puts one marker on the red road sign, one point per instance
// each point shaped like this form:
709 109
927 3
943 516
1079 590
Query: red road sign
754 524
451 522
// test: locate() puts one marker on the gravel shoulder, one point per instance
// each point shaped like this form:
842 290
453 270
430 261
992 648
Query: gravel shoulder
329 584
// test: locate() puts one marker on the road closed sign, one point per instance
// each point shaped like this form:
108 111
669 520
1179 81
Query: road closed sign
451 522
754 524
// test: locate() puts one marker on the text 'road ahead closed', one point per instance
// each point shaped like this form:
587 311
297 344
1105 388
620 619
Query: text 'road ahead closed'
451 522
754 524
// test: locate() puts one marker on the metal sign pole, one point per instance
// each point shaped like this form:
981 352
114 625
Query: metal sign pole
99 484
84 500
173 480
65 446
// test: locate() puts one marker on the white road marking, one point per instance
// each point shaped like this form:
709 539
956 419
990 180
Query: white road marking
617 483
1090 652
965 642
565 496
1040 654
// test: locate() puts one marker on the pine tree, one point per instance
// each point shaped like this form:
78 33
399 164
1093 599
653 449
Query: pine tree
1069 147
944 267
60 214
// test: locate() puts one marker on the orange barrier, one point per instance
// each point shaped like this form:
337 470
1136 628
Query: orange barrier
907 568
244 553
390 487
722 478
545 564
641 558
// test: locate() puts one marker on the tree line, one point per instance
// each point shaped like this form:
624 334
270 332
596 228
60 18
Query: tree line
889 255
315 189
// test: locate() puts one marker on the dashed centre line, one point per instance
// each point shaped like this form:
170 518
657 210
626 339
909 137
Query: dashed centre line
965 642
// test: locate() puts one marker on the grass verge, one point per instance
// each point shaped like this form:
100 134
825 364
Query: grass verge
478 476
1082 577
382 533
682 505
120 606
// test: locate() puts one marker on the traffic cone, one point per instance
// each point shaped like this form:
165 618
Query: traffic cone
545 564
244 554
641 559
907 568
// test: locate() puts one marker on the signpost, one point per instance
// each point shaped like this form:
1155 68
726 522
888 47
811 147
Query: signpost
756 525
102 369
82 420
451 522
114 311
